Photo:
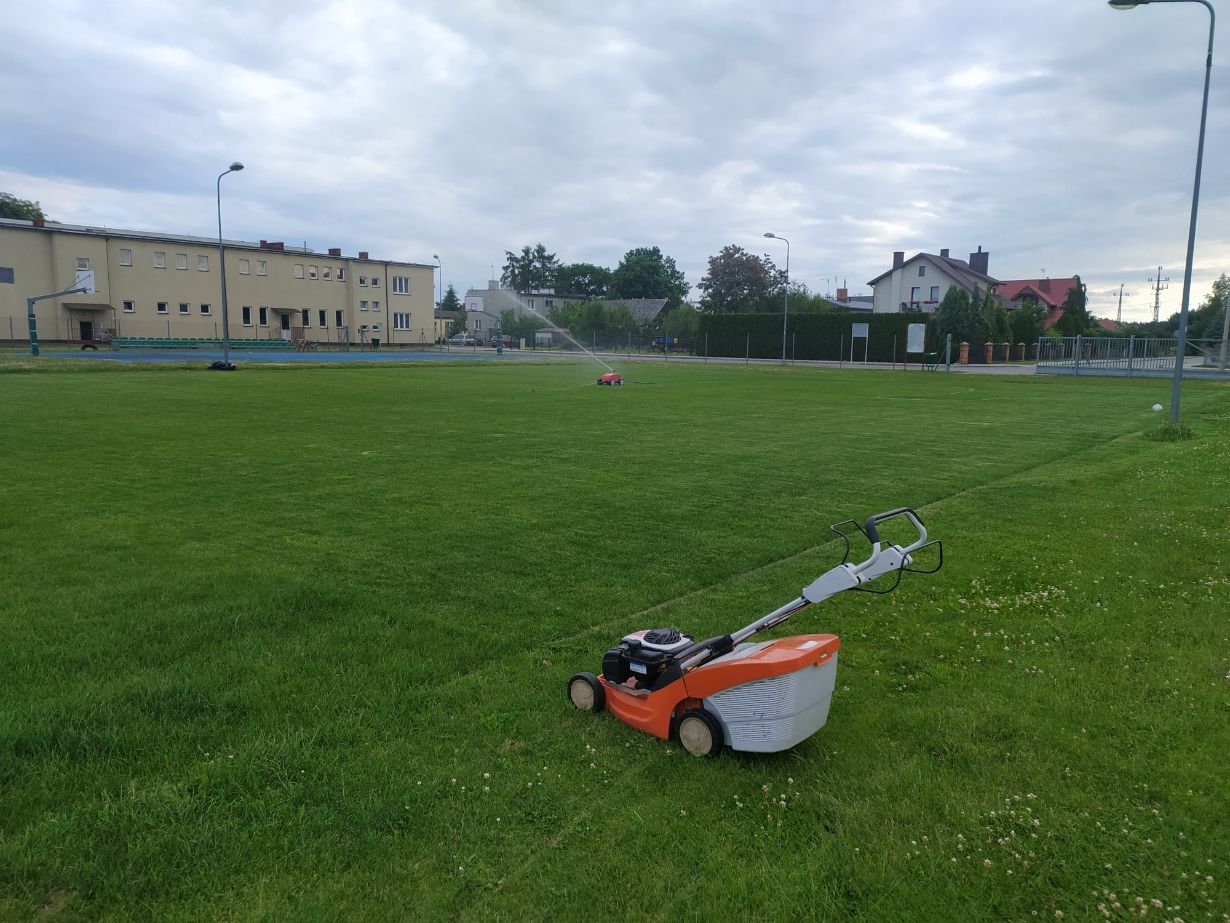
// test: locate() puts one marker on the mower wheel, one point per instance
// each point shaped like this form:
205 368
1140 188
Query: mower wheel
586 693
699 733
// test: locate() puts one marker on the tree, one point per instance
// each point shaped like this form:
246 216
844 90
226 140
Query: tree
741 281
1027 322
582 279
683 322
646 273
1075 319
956 316
23 209
1205 323
533 270
519 326
450 302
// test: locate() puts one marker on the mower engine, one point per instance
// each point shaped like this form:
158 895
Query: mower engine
643 656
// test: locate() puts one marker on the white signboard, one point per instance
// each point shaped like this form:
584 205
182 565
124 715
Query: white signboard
860 330
85 280
914 338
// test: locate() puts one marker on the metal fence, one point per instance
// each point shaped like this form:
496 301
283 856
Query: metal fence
1130 357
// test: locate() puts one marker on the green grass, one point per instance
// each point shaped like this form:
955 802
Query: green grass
292 644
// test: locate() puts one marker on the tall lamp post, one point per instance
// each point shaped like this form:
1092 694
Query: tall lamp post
1181 344
226 330
439 280
786 298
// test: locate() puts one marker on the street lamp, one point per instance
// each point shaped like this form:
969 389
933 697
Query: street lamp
786 298
226 331
1181 338
439 280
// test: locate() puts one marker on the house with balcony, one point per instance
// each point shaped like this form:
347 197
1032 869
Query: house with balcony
920 283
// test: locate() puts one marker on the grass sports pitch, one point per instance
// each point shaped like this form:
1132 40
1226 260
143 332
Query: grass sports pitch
291 643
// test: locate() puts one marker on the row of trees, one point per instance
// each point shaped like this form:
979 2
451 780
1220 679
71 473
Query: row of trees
644 272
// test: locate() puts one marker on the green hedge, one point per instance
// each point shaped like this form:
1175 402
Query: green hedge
809 336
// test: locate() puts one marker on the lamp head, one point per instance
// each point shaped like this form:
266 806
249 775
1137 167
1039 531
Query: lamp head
435 256
235 167
1126 4
769 234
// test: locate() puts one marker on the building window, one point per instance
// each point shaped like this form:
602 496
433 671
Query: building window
935 293
337 319
478 323
125 257
129 307
244 268
311 272
341 275
922 271
262 267
363 281
202 263
375 328
322 316
185 308
307 317
247 315
298 270
362 305
401 321
181 261
915 294
375 305
162 307
204 310
83 262
160 259
327 273
264 316
401 285
375 282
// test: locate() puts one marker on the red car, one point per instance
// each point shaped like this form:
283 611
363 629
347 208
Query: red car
611 378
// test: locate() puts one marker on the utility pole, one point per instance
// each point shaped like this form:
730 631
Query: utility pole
1119 316
1158 284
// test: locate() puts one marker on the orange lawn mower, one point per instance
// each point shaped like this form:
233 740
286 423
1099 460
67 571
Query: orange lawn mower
726 691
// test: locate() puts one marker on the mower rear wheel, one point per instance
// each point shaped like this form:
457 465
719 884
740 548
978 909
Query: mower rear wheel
586 692
699 733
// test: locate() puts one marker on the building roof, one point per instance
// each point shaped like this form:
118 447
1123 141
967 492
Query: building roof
645 310
957 269
263 246
1050 292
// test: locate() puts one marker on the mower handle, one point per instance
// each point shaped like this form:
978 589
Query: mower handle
874 536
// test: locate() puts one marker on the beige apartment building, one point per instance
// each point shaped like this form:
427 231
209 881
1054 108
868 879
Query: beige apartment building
166 285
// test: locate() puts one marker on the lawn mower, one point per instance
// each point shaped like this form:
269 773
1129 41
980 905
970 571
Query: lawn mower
726 691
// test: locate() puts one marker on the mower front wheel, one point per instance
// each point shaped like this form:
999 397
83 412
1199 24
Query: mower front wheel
699 733
586 692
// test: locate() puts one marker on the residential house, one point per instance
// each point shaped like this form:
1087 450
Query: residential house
495 299
920 283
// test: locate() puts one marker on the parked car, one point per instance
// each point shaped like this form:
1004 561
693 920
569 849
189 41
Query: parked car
462 339
506 340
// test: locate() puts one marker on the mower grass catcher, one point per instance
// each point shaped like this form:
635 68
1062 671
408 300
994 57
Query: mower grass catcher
727 691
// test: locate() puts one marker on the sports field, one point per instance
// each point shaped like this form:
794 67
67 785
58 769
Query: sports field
291 643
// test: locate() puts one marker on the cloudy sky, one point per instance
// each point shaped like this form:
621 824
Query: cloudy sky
1060 135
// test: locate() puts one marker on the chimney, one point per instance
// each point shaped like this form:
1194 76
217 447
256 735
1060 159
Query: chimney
843 294
264 244
39 223
335 251
493 285
898 259
944 253
1045 285
362 254
978 261
276 245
